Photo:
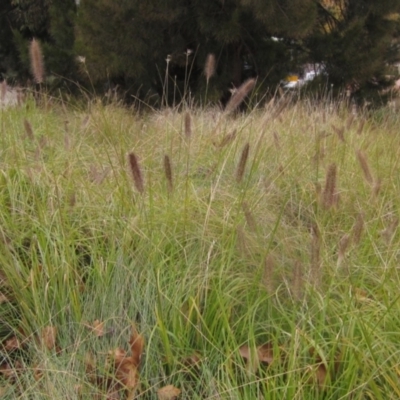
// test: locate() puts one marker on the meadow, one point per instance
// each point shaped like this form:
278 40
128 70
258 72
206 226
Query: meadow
240 256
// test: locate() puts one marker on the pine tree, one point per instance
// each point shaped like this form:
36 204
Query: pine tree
356 40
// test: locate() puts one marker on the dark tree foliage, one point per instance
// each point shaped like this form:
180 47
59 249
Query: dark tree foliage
129 41
356 40
8 54
52 22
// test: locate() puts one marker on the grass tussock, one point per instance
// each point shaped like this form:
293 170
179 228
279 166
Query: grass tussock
234 276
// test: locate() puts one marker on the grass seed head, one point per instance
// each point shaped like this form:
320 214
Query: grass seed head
209 68
362 159
168 172
329 196
358 229
242 163
239 95
28 129
136 172
36 57
188 125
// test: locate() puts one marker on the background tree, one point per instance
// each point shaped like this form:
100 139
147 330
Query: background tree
129 41
356 40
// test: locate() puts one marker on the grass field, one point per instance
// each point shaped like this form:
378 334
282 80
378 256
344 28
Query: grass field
241 257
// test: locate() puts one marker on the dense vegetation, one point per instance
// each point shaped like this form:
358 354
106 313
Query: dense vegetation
254 256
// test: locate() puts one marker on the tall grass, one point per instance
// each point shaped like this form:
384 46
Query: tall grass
229 239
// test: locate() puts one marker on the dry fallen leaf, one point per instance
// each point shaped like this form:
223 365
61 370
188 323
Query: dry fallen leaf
266 353
13 344
137 345
48 337
169 392
97 327
4 298
263 354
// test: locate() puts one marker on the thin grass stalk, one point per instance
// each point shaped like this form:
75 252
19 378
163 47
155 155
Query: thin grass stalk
297 281
242 163
343 246
315 271
136 172
268 276
250 220
168 173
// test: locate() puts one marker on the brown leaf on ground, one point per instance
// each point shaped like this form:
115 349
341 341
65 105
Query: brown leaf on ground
321 374
169 392
137 345
97 327
4 298
7 371
13 344
126 369
266 353
48 337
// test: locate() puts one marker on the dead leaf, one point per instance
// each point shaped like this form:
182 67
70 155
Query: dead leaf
263 354
4 298
13 344
4 390
169 392
125 369
97 327
7 371
38 372
266 353
48 337
321 374
137 345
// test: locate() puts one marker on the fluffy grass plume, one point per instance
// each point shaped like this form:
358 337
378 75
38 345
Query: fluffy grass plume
168 172
242 162
36 57
362 159
239 95
136 172
329 195
209 67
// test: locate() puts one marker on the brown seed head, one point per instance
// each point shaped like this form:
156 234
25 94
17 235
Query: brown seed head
168 172
28 129
209 68
242 163
36 57
358 229
329 195
362 159
240 95
136 172
188 125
